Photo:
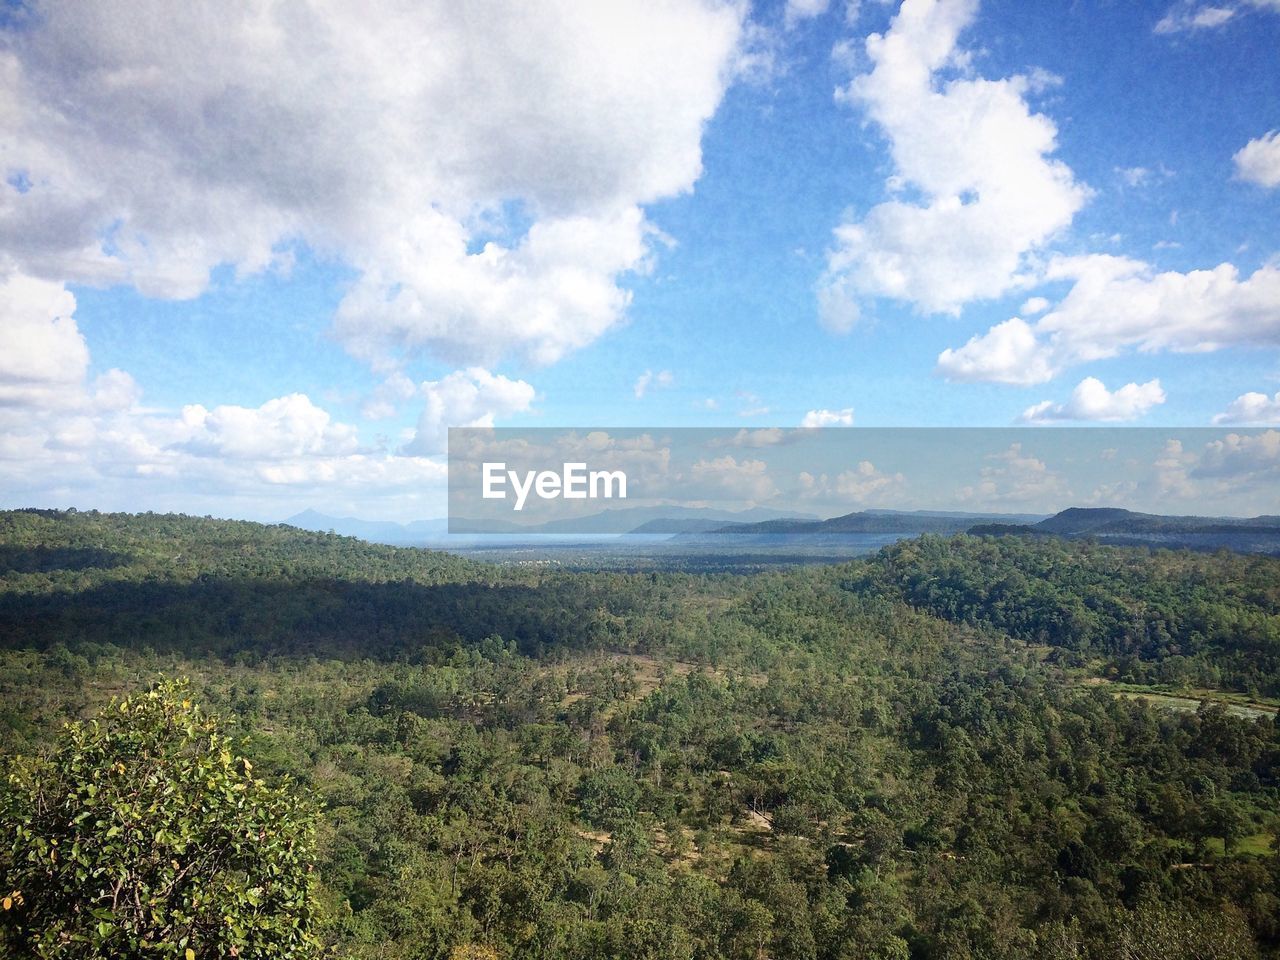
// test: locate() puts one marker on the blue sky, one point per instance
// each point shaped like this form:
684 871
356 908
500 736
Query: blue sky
259 265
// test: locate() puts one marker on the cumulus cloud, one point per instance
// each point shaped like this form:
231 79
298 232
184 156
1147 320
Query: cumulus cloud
864 484
43 357
1007 353
1222 469
1258 161
976 155
729 478
482 169
284 428
828 418
1091 400
648 379
113 450
1117 304
1251 408
1241 458
1014 477
465 398
78 436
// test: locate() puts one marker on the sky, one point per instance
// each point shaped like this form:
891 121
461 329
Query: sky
258 260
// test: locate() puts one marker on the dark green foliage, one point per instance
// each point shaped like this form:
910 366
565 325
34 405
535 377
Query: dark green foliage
1163 616
140 834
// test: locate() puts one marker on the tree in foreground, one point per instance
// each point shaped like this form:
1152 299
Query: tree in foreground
141 835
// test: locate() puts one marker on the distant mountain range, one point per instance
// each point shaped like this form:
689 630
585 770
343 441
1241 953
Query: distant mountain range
623 520
762 527
375 531
1128 528
879 521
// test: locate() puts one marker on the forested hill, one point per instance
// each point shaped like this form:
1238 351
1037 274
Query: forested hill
202 586
913 757
76 549
1172 616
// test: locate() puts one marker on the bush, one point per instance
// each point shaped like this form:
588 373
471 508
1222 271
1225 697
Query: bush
140 834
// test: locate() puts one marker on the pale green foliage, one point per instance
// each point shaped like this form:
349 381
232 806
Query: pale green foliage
142 835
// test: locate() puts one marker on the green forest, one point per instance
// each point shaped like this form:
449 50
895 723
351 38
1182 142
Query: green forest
958 747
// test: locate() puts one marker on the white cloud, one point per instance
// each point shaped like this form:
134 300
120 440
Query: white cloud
1258 161
483 168
284 428
1251 408
1091 400
1117 304
43 357
798 10
729 478
1015 478
976 153
91 441
1007 353
828 418
466 398
388 396
1222 469
115 390
1191 17
1134 176
838 309
1033 306
864 484
1240 459
648 379
764 437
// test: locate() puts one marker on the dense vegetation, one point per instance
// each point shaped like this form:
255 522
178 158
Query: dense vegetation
143 835
916 755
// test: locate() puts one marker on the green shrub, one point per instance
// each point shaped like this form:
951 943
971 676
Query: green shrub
141 835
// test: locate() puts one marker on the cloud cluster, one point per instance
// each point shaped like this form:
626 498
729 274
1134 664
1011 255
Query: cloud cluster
1251 407
1015 478
481 170
1221 469
728 478
862 485
1117 304
1258 161
43 357
70 435
976 188
1091 400
481 167
465 398
828 418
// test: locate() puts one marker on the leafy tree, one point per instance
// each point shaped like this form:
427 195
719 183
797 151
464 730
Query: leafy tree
141 835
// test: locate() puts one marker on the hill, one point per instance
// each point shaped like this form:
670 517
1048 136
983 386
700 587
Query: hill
1126 527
